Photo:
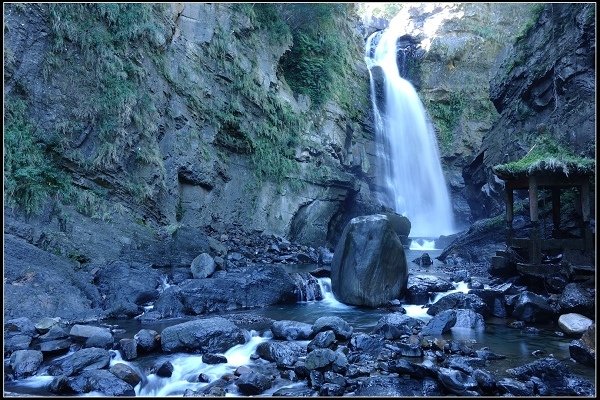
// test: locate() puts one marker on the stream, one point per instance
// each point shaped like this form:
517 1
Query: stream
517 345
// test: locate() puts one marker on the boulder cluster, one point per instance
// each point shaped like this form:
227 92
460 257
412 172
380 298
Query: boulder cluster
329 356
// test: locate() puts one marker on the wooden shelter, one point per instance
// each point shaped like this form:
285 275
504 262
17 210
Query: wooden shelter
547 167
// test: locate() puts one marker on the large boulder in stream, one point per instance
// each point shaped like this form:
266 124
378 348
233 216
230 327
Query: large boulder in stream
369 266
206 335
400 224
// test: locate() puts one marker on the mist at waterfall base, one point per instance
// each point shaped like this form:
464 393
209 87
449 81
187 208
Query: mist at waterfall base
410 173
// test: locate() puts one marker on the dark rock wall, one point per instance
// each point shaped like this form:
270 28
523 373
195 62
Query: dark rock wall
544 85
185 166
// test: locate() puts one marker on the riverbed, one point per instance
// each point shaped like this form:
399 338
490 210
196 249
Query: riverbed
517 345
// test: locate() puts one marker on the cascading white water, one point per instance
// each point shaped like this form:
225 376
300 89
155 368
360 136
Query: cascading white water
411 173
187 367
422 245
328 297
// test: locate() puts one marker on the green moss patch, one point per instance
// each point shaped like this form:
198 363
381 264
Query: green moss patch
546 156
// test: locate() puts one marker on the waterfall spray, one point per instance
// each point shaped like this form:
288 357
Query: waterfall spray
411 175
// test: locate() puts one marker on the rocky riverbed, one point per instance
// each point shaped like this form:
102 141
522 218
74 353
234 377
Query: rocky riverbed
264 321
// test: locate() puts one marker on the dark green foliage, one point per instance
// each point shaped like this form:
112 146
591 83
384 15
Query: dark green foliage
111 39
446 116
536 11
318 62
310 68
274 145
267 18
108 43
30 171
253 119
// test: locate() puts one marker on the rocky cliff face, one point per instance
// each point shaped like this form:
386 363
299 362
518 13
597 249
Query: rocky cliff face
169 120
545 84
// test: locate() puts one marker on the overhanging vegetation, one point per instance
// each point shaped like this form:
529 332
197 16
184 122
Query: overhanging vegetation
546 157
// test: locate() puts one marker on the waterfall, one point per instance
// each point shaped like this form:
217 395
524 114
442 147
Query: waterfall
410 170
328 297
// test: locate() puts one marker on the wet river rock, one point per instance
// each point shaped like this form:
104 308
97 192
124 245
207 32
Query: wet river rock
556 377
25 362
291 330
455 381
530 307
102 381
395 325
322 340
18 333
208 335
341 328
459 301
255 286
578 299
282 353
440 323
574 324
85 359
420 287
147 340
126 373
253 383
369 266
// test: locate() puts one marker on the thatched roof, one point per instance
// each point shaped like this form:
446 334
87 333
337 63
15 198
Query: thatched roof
546 157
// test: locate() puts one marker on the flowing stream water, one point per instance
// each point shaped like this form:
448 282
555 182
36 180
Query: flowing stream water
515 344
411 178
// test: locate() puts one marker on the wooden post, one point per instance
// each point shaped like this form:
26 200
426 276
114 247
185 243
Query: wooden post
556 208
586 233
535 251
533 199
585 201
509 213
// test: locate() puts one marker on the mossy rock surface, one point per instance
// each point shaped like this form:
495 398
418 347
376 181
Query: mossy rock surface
546 157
